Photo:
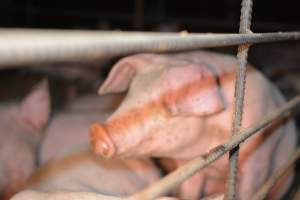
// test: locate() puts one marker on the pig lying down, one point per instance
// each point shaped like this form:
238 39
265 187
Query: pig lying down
180 106
83 172
21 128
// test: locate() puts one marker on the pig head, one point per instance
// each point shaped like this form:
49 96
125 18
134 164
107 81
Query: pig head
164 90
20 131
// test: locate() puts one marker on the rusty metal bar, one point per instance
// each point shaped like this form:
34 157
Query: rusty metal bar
239 93
184 172
21 46
263 192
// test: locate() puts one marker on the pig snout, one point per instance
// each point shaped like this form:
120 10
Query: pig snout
123 134
101 142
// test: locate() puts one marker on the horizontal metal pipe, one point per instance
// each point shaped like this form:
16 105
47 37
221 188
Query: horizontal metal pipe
181 174
29 46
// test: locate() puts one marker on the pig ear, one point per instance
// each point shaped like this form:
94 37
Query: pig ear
35 108
122 73
196 93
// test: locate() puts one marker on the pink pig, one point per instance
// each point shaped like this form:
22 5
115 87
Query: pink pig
83 172
20 131
180 106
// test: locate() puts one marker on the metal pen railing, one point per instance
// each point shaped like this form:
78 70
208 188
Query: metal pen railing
28 46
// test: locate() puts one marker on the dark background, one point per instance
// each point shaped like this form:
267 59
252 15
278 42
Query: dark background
191 15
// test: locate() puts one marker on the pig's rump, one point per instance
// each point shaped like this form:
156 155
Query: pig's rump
83 172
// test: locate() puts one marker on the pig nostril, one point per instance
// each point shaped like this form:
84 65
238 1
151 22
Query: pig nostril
102 149
101 143
105 147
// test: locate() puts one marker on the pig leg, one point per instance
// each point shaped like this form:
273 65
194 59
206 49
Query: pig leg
208 181
191 188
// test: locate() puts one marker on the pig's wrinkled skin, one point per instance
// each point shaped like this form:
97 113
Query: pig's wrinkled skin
85 172
180 106
20 131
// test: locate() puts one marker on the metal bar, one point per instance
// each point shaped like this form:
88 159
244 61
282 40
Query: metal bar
239 93
21 46
263 192
184 172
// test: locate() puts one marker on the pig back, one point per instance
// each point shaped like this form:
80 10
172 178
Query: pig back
83 172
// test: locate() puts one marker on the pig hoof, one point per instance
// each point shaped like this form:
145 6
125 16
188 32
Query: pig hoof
101 143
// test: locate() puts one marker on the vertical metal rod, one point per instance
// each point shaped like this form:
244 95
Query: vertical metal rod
245 22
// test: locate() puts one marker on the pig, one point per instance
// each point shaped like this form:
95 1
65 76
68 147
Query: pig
180 106
81 171
21 128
